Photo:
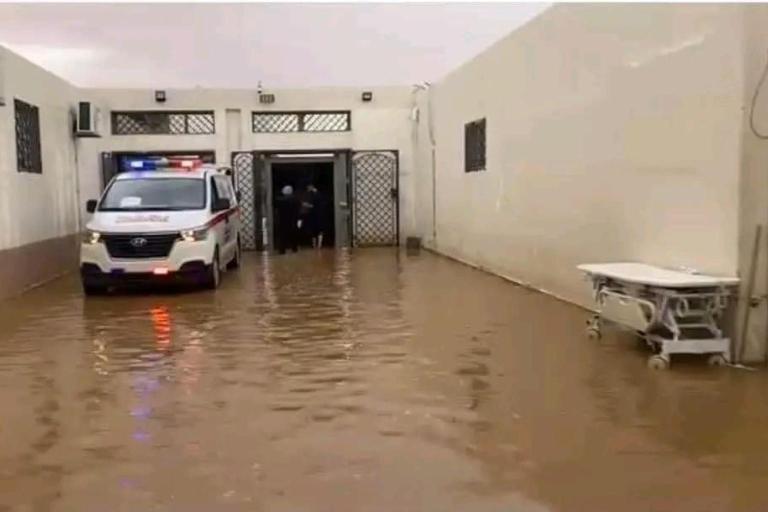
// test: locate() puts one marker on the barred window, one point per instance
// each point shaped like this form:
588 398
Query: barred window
28 158
311 121
163 122
474 146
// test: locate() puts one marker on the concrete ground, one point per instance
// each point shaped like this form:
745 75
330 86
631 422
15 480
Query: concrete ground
364 381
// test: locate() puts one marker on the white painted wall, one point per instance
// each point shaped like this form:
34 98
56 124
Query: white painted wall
754 180
381 124
36 207
613 133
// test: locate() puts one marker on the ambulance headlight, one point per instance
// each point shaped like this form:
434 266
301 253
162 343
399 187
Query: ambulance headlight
91 237
194 235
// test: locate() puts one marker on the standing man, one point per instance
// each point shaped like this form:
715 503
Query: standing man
314 217
322 218
307 213
287 208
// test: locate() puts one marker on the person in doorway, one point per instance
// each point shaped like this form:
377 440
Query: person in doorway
307 213
287 209
317 220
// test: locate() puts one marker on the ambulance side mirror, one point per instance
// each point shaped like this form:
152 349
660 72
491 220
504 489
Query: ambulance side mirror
90 205
221 204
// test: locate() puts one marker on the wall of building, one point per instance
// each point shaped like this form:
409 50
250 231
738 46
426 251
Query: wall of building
613 133
38 215
382 124
754 183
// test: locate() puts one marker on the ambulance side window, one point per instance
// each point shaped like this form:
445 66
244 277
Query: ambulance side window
214 192
222 187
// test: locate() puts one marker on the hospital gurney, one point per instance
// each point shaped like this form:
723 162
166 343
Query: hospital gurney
675 312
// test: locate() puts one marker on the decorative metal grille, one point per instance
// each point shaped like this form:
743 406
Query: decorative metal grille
28 158
326 122
242 165
163 123
375 206
275 123
316 121
474 146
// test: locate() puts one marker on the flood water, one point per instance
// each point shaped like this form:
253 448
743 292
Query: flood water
366 381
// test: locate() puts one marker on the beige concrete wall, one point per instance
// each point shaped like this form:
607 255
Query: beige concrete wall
381 124
613 133
37 211
754 183
37 206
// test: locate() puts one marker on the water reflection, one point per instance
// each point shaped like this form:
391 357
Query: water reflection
161 324
358 380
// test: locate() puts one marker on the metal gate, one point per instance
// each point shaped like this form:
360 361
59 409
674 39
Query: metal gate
375 209
249 182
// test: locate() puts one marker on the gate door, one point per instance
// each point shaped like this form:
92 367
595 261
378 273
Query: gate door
249 184
375 199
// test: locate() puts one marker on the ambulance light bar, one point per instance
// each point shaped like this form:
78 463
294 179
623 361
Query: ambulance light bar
181 163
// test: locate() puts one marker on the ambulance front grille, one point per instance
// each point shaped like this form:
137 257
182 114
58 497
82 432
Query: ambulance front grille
135 246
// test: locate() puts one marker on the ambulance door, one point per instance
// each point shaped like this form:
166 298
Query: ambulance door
225 230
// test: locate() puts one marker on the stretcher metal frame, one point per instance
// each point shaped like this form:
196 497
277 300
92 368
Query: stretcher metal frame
677 312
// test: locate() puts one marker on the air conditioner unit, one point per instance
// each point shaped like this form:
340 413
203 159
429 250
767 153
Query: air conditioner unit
88 120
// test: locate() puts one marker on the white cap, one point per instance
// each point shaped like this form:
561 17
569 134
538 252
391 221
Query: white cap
287 190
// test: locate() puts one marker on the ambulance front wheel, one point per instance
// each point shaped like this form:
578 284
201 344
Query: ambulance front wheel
92 289
235 261
213 272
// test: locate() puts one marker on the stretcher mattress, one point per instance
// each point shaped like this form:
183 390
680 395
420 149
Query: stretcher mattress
643 274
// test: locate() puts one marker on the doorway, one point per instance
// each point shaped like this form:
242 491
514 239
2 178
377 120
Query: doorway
300 175
259 176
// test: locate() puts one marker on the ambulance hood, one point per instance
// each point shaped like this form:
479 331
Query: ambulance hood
147 221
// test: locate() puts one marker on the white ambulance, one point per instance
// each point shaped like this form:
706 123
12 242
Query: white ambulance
178 221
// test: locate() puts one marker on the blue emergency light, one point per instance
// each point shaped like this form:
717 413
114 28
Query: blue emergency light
144 163
151 163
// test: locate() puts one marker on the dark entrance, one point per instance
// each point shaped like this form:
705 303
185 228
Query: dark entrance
300 175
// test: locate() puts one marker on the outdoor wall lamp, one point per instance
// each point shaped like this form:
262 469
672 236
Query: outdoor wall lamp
160 96
367 96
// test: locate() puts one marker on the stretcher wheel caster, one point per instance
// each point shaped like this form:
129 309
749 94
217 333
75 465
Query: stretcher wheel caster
658 362
593 328
717 360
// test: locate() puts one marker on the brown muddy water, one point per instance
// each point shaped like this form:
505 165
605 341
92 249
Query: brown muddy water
371 381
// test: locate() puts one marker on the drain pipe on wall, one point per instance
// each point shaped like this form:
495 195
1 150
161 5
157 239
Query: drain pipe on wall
739 351
431 130
79 222
427 88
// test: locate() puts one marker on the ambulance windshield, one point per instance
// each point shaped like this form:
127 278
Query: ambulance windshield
154 194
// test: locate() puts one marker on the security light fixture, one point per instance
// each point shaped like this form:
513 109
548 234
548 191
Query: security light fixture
367 96
160 96
303 155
